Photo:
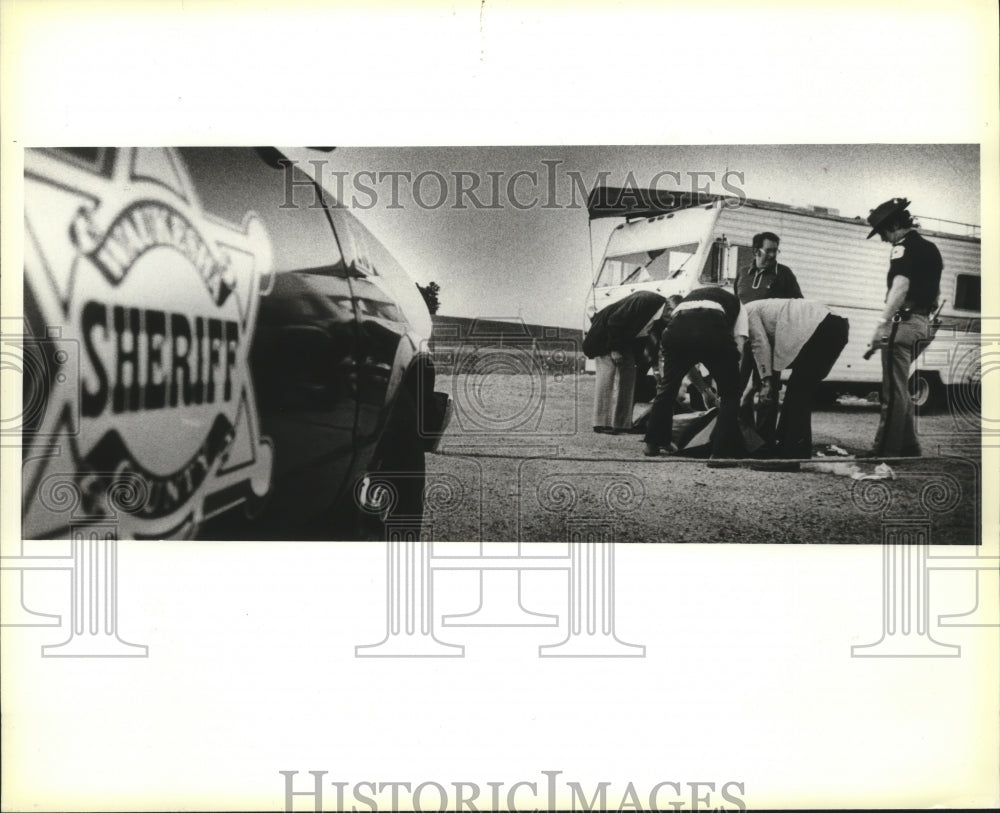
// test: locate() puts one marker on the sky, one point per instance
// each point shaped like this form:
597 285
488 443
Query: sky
502 244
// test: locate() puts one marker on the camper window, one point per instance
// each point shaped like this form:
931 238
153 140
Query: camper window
669 262
619 270
653 266
744 258
968 288
711 274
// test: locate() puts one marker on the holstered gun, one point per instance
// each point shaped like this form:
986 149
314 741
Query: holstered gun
899 316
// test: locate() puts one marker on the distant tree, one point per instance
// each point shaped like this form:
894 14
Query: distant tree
430 295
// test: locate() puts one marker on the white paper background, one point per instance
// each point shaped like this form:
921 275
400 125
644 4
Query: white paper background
748 675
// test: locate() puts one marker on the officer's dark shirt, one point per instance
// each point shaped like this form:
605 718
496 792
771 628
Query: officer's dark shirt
920 262
777 284
721 296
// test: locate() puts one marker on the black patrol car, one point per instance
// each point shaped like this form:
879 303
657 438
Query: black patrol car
214 347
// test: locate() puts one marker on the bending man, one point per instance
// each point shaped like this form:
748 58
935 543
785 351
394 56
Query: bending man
708 327
808 339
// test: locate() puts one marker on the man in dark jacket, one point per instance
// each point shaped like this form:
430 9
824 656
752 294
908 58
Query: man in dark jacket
611 342
766 278
708 327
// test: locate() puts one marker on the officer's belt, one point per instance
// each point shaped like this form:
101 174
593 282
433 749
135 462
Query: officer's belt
699 305
905 313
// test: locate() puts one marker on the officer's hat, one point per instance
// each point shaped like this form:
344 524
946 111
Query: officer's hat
883 212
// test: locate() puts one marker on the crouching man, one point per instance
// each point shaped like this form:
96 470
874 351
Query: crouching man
805 337
708 327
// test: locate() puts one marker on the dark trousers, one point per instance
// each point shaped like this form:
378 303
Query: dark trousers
810 367
699 337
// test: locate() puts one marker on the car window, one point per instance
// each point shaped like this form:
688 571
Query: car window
231 182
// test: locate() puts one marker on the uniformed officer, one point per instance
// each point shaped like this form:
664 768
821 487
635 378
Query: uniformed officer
904 328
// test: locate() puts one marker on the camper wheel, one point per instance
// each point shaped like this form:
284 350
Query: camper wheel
926 390
965 398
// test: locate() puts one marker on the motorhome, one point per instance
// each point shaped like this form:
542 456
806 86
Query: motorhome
672 243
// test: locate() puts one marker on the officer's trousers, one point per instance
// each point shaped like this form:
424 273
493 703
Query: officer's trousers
896 436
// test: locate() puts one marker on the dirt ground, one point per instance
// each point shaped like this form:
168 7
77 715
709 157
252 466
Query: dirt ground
520 461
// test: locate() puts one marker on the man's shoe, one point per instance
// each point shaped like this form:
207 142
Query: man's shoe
775 465
604 430
653 450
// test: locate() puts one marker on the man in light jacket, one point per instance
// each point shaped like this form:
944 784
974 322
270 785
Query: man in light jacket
805 337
